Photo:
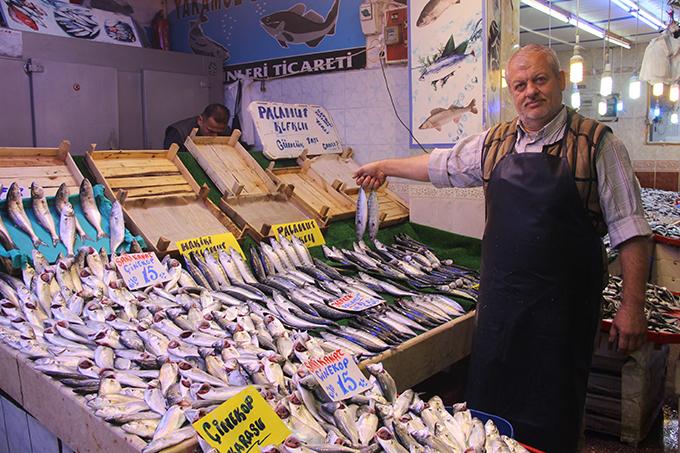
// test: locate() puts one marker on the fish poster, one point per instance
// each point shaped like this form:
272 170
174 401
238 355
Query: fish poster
446 70
59 18
263 39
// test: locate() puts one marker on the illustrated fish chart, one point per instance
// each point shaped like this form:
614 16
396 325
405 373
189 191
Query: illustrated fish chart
61 18
446 70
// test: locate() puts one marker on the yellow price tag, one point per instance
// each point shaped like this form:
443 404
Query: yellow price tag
243 423
306 230
211 243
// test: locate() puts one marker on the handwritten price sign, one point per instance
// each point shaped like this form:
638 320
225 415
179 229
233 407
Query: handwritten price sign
354 302
338 375
140 270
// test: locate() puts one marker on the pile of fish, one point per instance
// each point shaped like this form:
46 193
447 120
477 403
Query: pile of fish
661 306
297 288
662 211
367 216
68 224
410 262
154 361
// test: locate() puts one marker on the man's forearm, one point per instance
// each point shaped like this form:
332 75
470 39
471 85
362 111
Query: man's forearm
635 254
414 167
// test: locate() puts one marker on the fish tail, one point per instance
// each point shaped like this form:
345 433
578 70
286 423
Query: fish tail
55 241
37 242
473 106
101 235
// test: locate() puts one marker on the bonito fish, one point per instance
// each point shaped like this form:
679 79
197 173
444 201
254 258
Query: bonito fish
361 220
373 209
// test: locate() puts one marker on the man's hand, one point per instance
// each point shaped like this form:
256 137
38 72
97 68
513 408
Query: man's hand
629 329
370 176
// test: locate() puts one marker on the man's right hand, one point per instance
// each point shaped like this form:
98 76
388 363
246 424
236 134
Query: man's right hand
370 176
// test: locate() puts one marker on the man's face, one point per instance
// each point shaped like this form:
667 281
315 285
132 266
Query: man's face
208 126
535 89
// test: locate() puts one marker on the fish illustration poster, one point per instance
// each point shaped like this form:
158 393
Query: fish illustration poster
446 70
60 18
269 39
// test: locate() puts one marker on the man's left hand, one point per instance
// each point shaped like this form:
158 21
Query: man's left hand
629 329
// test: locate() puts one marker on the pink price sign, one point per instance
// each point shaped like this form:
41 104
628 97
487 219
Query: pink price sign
354 302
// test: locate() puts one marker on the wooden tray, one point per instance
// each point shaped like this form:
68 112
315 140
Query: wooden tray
161 201
49 167
337 170
257 213
229 165
319 197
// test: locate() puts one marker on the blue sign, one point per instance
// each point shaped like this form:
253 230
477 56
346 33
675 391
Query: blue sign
265 39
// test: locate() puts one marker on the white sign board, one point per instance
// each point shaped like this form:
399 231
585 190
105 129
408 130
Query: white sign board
140 270
288 129
64 19
338 375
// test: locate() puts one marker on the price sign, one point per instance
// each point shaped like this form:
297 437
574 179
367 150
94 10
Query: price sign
306 230
211 243
354 302
243 423
140 270
338 375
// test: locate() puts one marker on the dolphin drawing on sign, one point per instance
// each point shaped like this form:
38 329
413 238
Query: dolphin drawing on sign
202 45
299 25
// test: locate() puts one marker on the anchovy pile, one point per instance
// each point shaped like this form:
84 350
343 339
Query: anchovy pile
662 211
296 288
661 306
154 361
65 228
411 262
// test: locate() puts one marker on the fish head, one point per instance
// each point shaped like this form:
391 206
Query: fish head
37 192
425 18
275 22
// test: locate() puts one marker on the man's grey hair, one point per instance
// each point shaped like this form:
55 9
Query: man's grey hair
546 52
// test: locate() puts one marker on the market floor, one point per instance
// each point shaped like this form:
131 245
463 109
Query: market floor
663 436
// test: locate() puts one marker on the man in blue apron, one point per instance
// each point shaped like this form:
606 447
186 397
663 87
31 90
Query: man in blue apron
555 183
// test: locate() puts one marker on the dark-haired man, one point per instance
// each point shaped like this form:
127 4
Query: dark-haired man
212 122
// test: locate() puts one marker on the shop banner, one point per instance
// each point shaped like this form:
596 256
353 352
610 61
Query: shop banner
286 130
265 39
446 70
58 18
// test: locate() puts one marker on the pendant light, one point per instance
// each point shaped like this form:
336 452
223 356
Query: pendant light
634 85
657 89
575 98
657 110
674 93
602 107
674 118
576 60
606 83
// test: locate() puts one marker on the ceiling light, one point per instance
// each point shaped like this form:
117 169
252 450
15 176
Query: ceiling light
674 118
641 13
576 100
674 93
550 11
576 66
619 105
602 107
606 83
634 86
657 89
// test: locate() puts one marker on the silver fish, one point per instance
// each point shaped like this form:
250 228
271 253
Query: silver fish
16 212
5 238
116 226
432 10
67 228
373 215
361 219
60 199
89 207
42 211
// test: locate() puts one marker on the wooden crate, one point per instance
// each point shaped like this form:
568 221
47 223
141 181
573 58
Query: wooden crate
314 192
258 213
49 167
338 170
229 166
666 263
161 201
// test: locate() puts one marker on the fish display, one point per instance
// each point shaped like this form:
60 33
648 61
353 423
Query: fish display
64 228
440 117
662 307
153 361
432 10
662 211
300 25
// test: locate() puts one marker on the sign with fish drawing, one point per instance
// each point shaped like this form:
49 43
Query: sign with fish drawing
243 423
261 40
288 129
446 70
60 18
338 375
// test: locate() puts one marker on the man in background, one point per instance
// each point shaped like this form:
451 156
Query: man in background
212 122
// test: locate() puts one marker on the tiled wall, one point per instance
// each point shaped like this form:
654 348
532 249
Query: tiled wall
659 174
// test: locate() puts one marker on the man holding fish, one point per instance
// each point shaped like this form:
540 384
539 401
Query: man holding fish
555 182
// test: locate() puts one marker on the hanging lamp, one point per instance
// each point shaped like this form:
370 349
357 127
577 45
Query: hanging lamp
634 84
606 83
674 93
576 60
